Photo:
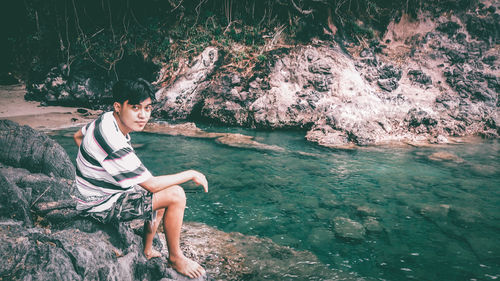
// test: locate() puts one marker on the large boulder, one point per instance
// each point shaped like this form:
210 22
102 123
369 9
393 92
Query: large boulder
22 146
85 83
13 204
179 99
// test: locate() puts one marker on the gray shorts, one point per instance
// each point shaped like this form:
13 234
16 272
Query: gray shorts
137 204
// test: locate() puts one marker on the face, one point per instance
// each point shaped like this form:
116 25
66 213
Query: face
132 117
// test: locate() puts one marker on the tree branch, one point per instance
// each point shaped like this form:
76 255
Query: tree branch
304 12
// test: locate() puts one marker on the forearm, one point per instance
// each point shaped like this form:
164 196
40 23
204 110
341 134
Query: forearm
159 183
78 137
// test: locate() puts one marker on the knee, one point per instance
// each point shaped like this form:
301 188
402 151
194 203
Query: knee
172 196
178 195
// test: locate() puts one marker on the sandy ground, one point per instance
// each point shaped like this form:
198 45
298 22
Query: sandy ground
14 107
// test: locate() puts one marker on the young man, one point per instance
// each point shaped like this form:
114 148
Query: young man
115 186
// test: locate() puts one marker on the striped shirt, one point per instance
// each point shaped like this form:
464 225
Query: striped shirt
106 165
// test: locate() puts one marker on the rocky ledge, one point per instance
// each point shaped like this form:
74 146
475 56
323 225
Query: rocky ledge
42 236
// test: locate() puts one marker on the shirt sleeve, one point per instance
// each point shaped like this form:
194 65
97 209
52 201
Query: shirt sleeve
126 168
85 128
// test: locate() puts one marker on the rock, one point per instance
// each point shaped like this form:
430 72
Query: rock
420 118
419 77
348 229
445 156
388 85
13 204
390 71
233 256
306 86
435 212
29 254
484 28
366 211
86 84
190 130
319 238
180 99
371 224
450 28
327 136
21 146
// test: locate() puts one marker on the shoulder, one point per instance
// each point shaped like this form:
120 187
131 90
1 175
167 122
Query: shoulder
108 135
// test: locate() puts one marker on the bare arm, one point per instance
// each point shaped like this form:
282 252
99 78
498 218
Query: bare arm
159 183
78 137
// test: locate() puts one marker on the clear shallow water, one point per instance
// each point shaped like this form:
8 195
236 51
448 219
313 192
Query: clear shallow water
423 219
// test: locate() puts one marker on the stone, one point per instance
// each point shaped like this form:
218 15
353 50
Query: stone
84 83
445 156
366 211
388 85
450 28
320 237
419 77
371 224
21 146
348 229
390 71
13 203
177 101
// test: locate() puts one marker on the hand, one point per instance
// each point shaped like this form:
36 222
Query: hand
199 179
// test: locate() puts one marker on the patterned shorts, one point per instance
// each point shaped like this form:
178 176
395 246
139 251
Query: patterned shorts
137 204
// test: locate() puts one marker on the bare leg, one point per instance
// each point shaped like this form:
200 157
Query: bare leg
173 200
150 229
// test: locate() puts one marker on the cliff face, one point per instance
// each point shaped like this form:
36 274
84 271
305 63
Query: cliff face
427 80
430 81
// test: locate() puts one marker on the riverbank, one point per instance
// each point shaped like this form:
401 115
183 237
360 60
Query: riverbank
43 118
50 118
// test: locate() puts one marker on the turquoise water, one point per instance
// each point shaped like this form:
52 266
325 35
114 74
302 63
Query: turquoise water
413 217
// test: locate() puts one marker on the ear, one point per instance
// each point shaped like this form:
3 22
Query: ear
117 107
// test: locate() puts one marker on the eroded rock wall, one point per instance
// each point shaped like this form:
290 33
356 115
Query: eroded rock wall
427 81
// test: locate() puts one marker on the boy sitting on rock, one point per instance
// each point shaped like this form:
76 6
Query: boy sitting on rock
115 186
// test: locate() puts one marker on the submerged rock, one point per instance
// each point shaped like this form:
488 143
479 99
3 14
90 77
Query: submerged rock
371 224
445 156
229 139
348 229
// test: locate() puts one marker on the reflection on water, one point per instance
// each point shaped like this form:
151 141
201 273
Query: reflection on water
382 213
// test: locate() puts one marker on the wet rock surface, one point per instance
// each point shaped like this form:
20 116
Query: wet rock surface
43 237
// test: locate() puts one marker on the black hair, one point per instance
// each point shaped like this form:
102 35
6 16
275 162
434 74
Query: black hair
133 91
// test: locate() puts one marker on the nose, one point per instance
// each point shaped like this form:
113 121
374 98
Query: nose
142 113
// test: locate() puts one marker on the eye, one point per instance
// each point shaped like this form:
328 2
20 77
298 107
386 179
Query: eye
135 107
149 108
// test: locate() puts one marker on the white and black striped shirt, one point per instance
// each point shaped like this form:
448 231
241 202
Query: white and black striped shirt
106 165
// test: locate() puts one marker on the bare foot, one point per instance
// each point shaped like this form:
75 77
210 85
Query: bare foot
187 267
152 254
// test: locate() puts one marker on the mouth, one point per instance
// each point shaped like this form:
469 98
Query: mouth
141 123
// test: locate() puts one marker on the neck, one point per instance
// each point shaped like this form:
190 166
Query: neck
122 126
